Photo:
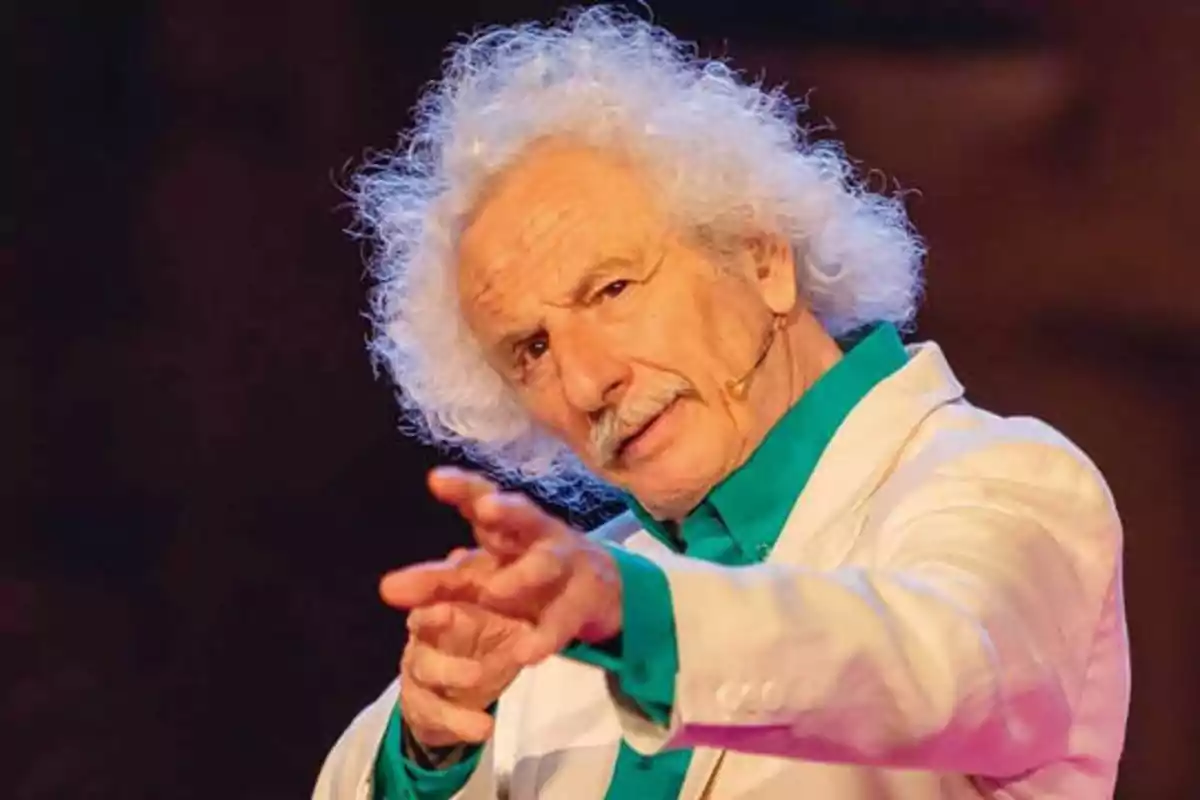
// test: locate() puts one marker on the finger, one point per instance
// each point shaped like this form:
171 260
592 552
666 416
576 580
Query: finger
438 722
464 490
429 622
475 565
422 584
509 523
459 488
561 620
531 575
440 671
451 627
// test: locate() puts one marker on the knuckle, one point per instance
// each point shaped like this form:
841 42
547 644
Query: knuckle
546 563
424 712
455 674
412 711
418 666
417 618
475 562
406 659
481 730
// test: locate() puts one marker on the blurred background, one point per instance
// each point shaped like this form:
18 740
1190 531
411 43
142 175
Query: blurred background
203 478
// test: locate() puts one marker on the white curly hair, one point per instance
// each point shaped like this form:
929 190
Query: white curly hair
727 155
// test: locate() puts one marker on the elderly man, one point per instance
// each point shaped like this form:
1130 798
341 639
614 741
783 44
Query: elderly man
603 262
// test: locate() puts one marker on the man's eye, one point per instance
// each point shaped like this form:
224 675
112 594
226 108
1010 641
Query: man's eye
536 347
613 289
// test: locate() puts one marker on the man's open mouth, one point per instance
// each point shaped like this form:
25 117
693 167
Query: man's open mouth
627 441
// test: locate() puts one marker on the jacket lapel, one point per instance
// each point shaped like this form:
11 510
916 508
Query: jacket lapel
857 460
862 454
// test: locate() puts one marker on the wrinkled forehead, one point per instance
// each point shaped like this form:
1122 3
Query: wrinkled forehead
552 214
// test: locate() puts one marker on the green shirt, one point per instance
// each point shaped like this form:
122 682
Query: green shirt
735 525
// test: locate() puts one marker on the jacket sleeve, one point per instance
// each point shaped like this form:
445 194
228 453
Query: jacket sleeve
643 659
960 644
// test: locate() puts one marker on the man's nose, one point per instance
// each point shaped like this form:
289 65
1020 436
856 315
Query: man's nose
592 375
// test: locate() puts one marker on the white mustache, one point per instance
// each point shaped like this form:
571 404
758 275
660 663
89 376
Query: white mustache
619 423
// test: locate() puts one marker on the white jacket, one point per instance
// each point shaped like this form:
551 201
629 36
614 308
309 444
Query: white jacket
941 617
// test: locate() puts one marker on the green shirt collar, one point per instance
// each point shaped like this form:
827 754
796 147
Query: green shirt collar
753 503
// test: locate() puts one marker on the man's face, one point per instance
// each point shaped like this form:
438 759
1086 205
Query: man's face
618 333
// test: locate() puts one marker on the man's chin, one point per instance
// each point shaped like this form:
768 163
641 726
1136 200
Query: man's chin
668 482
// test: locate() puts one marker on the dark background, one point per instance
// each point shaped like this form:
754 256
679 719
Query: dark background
203 481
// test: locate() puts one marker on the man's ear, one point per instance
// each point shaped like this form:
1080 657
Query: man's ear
773 271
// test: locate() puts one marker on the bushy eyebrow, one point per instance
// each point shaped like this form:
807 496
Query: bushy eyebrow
587 284
596 273
579 294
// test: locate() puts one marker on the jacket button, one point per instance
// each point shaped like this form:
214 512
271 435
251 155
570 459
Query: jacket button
772 697
725 697
734 697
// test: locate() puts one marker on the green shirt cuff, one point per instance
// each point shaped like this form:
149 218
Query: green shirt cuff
398 778
645 657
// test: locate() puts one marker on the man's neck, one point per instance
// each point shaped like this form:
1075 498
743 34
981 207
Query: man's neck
800 356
